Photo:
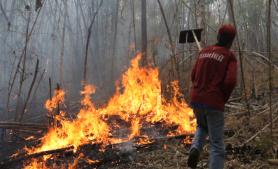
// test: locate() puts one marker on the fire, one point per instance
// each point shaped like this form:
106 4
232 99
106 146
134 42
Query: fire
135 128
30 138
87 127
144 140
137 100
52 103
35 164
75 163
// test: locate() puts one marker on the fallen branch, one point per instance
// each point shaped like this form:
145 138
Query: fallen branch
255 135
235 107
17 125
265 58
267 109
23 157
273 161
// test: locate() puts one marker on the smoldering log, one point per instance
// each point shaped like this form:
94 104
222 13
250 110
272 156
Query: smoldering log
6 163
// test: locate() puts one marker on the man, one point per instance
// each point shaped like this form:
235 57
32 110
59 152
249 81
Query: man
213 80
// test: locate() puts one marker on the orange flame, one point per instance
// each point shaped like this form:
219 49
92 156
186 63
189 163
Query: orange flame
75 163
135 128
137 99
35 164
51 104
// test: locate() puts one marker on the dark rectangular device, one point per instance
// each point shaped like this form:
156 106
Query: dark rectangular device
186 36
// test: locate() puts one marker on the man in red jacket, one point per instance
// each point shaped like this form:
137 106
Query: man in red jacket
213 80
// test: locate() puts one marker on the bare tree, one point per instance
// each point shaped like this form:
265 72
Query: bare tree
115 39
88 42
133 23
144 38
243 90
63 45
270 64
174 65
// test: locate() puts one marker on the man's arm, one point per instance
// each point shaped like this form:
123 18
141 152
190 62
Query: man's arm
230 78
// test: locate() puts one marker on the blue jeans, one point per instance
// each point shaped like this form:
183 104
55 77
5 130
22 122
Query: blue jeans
210 123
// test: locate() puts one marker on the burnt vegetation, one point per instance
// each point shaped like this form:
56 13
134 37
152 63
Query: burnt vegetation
106 83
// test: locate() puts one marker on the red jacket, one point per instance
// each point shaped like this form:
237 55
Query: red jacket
214 77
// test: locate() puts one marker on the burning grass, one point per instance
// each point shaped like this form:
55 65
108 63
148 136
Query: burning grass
138 100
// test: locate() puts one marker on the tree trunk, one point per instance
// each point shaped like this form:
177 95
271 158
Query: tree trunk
230 15
22 75
88 43
114 40
270 64
63 46
29 92
134 24
201 17
144 32
174 64
243 88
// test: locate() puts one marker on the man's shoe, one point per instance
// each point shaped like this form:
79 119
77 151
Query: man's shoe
193 158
